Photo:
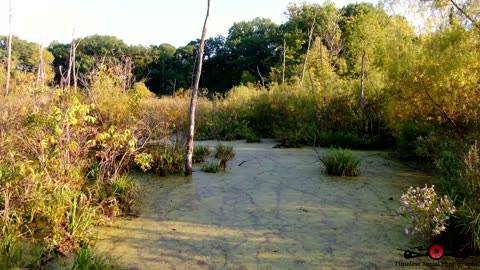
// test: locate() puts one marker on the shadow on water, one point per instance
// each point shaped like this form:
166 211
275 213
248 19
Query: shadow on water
273 209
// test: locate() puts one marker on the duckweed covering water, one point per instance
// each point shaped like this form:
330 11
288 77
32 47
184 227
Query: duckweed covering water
273 209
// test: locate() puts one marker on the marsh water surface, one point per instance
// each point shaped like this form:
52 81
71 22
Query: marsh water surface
272 209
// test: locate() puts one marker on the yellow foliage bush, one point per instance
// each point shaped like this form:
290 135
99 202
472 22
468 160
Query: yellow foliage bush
113 102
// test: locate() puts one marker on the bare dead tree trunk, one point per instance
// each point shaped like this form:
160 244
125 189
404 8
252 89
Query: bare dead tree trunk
9 49
127 75
261 77
362 92
74 69
62 77
173 83
193 101
310 35
40 79
70 64
193 69
324 80
283 62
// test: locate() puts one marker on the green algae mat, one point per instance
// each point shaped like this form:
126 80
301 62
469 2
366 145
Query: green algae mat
272 209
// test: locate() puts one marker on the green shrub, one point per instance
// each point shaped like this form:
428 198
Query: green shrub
250 137
224 153
469 183
126 191
289 137
460 179
352 140
340 162
200 153
211 166
164 159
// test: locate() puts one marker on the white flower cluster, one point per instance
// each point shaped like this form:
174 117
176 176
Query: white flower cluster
425 211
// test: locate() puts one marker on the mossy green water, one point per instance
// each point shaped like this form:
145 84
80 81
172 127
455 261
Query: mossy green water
272 209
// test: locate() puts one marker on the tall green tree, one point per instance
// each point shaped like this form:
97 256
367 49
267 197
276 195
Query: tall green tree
25 59
437 81
253 48
99 48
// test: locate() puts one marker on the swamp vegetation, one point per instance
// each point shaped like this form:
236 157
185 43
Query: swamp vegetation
88 128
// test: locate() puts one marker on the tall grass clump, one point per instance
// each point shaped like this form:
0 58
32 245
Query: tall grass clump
88 258
11 251
212 166
200 153
340 162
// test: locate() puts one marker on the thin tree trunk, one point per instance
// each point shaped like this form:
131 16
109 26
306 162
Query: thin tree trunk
62 77
324 80
470 18
9 49
74 69
362 92
163 73
193 101
40 79
311 81
283 62
321 56
310 35
193 70
261 77
70 64
173 83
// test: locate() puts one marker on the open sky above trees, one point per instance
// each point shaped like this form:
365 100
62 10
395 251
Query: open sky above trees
145 22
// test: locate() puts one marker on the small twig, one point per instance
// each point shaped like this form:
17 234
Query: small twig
318 154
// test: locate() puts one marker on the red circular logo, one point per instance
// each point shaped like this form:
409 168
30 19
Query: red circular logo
435 252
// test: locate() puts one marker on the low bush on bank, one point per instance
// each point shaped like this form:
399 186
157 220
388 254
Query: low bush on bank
455 216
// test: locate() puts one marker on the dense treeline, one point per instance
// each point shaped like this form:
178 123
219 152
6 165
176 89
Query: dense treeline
354 77
251 53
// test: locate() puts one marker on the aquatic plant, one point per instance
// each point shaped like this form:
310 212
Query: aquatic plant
252 138
224 153
88 257
164 159
212 166
340 162
200 153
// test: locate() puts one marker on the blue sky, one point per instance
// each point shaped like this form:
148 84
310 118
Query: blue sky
146 22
